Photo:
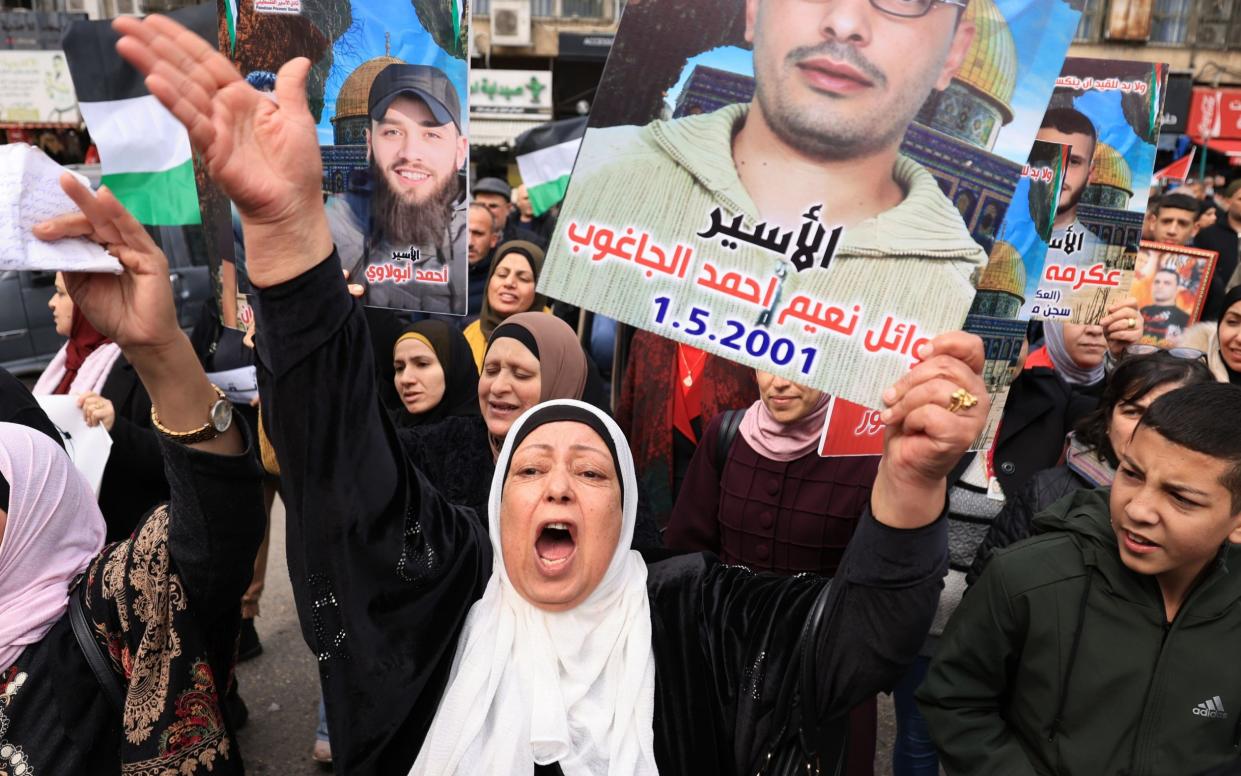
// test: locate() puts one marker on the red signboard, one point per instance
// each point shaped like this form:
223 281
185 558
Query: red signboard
1215 113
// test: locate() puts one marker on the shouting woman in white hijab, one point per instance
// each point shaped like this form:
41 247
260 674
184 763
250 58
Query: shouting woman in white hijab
531 641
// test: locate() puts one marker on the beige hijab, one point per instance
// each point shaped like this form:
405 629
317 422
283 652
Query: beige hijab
562 364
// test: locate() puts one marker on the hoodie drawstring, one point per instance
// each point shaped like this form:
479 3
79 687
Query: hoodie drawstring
1068 673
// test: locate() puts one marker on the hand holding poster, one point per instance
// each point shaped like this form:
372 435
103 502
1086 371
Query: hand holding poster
811 208
88 446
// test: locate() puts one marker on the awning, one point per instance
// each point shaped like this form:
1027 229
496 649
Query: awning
1222 145
499 132
41 125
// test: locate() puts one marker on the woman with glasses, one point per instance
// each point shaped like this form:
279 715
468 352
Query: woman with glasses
1221 342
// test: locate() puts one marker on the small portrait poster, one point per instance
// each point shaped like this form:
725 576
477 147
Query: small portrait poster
1109 113
1171 283
388 90
780 197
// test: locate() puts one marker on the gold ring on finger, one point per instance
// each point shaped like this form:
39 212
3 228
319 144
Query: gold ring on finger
1133 323
961 400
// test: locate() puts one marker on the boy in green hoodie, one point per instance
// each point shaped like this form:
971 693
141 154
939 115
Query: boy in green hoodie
1109 643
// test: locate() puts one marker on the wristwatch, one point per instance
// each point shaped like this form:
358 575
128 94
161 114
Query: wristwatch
219 418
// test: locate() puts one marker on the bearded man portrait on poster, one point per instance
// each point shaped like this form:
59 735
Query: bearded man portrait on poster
402 235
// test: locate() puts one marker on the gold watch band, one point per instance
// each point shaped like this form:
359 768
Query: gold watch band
201 434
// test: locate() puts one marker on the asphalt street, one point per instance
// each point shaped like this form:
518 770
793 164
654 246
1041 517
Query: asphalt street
280 686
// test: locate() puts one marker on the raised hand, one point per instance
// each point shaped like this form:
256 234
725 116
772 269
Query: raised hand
263 153
135 309
924 439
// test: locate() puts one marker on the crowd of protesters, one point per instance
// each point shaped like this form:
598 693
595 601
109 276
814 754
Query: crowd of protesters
502 566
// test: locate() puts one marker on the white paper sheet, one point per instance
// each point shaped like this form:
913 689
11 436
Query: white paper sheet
239 385
29 193
88 447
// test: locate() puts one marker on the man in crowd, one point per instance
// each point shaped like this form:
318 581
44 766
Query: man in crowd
496 196
1071 242
404 241
1223 238
483 239
542 225
1098 647
1148 223
1175 218
1163 320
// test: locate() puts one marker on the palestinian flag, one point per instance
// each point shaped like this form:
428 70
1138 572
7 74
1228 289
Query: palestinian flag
1178 170
144 152
545 156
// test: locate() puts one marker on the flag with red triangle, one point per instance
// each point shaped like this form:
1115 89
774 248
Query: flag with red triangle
1178 170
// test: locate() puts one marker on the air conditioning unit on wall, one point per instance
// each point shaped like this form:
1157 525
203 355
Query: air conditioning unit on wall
510 22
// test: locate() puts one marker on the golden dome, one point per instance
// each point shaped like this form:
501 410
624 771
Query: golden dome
990 65
1005 271
1111 169
355 92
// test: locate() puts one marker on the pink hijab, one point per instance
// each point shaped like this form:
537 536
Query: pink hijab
783 441
54 530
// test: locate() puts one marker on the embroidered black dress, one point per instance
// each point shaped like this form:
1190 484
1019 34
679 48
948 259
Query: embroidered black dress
164 606
384 570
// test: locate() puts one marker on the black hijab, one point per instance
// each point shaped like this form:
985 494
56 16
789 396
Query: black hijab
1230 299
460 377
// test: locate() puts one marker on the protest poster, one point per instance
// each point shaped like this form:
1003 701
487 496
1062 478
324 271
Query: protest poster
684 216
89 447
1011 275
388 91
1171 283
1109 112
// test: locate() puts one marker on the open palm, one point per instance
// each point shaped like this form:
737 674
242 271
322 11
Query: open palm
263 153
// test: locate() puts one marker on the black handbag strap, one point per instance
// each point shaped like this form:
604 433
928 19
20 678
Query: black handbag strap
729 423
810 731
808 685
93 652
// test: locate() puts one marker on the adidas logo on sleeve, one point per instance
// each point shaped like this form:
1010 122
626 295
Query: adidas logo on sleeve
1212 708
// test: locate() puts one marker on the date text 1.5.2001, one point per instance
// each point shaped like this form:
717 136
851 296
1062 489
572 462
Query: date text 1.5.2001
756 343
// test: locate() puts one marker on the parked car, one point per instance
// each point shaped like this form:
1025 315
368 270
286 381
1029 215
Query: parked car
28 338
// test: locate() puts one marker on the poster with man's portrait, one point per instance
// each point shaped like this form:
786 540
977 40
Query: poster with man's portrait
805 190
388 91
1171 284
1109 113
1010 276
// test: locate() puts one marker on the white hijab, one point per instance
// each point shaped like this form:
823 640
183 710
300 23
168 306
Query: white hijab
530 686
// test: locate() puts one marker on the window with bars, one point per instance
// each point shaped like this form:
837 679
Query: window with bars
1092 16
1218 25
1170 21
544 9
